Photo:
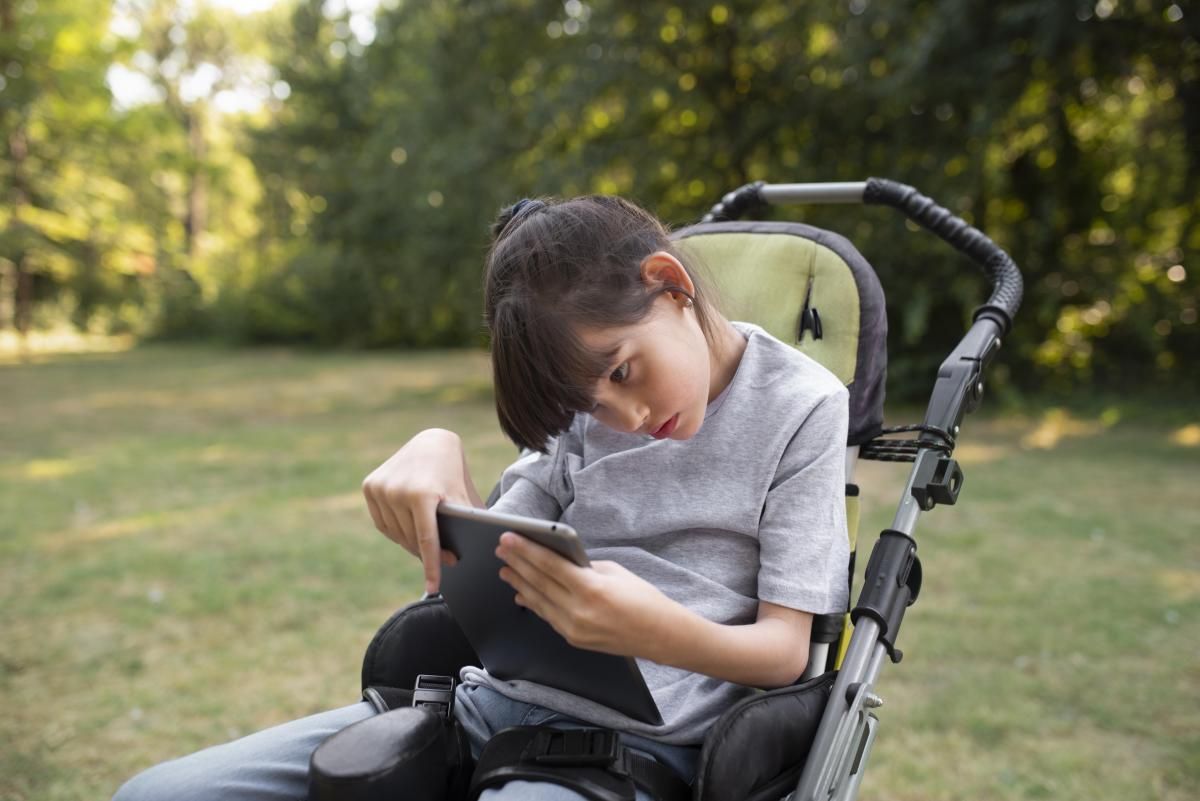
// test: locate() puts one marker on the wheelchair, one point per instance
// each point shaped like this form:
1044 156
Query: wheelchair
810 741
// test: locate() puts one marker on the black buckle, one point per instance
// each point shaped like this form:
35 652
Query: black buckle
591 747
810 320
436 693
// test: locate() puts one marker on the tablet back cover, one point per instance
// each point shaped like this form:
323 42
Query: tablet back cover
514 643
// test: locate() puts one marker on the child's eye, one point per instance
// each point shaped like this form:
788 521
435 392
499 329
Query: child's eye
620 374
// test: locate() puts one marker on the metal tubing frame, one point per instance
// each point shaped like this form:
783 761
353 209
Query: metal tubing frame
835 743
836 761
780 194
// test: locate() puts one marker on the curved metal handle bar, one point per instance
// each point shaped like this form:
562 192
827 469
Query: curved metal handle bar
1002 272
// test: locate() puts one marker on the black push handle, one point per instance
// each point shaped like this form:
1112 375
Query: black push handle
736 203
1001 270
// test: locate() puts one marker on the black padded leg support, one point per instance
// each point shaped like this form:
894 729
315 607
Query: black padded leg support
407 753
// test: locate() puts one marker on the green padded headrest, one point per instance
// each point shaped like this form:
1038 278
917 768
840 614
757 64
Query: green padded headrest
761 272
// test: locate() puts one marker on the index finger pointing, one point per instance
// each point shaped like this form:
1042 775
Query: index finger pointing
428 544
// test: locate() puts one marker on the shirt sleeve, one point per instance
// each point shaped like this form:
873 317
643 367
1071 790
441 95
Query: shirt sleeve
539 484
521 493
804 549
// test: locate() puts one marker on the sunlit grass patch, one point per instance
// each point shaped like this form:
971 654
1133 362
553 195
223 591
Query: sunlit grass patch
39 346
1188 436
1059 424
40 469
1181 584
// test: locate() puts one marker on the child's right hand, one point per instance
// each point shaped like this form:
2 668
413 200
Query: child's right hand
403 494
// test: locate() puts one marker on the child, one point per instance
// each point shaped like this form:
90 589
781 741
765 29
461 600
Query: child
702 461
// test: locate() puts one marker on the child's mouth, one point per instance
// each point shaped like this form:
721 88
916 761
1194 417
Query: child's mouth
666 429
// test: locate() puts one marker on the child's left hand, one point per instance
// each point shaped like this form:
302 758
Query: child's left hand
602 608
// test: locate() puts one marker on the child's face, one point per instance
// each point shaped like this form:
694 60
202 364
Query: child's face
658 383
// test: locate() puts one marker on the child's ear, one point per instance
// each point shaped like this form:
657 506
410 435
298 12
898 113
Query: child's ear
661 268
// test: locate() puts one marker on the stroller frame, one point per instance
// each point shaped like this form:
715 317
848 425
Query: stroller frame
833 770
834 766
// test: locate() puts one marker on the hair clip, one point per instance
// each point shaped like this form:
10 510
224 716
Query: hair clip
525 203
514 214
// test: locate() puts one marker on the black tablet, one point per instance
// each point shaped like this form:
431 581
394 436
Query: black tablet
513 642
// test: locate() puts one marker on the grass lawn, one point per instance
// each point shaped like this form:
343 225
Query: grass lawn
185 558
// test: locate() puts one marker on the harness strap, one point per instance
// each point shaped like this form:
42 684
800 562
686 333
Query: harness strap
655 778
591 762
602 748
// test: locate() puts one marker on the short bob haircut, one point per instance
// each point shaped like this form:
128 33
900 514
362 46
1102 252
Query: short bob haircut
556 267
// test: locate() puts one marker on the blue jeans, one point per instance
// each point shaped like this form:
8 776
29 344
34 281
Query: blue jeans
272 765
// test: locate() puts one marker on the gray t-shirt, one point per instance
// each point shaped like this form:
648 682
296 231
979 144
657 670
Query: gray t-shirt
751 508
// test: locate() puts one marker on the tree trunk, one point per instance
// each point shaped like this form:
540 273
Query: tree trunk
197 200
22 315
18 152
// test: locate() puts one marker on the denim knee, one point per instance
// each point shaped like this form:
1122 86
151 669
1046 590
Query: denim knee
204 777
270 765
154 784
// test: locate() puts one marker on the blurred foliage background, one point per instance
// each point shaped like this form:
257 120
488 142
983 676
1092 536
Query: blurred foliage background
324 171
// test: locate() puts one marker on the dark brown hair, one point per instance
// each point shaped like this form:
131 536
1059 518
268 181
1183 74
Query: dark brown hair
555 267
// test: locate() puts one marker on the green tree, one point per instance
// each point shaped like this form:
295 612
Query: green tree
61 227
182 154
1068 132
388 164
351 206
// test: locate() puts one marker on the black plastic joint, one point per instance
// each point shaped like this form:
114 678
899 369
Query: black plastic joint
996 314
736 203
744 198
891 585
436 693
937 480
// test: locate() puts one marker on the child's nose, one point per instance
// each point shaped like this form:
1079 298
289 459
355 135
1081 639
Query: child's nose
637 422
631 416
